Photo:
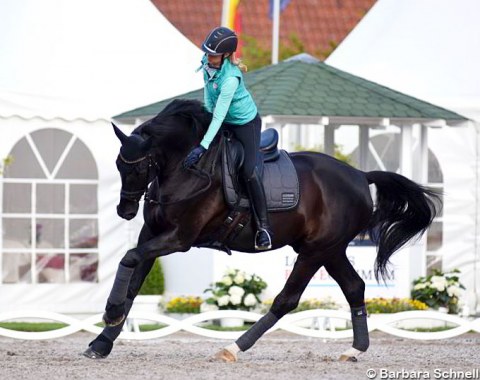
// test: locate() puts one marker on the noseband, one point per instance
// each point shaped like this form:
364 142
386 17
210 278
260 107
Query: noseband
136 195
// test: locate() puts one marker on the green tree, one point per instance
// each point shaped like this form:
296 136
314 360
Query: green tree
256 56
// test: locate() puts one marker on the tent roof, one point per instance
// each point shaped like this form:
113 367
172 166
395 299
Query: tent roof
304 86
429 49
89 58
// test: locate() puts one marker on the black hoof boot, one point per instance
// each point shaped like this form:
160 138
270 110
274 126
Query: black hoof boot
114 314
263 241
99 348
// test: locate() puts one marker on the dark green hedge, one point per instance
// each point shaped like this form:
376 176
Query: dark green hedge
155 282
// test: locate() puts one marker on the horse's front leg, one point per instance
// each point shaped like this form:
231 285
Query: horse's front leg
115 312
161 245
102 345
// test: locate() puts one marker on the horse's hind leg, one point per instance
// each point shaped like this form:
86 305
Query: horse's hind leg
102 345
286 301
353 287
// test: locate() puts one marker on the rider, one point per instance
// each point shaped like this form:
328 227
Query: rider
233 108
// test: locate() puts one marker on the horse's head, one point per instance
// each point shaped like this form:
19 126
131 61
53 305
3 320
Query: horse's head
135 164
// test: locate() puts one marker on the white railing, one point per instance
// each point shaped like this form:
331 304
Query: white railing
289 323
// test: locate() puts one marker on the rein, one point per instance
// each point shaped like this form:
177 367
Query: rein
200 173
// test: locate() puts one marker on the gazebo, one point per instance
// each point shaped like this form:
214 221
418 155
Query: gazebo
304 91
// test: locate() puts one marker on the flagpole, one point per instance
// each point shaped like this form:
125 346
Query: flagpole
225 10
275 31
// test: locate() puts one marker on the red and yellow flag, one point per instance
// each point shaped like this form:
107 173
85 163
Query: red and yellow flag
232 14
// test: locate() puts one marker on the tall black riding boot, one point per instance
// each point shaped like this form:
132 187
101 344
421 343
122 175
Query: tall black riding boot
256 192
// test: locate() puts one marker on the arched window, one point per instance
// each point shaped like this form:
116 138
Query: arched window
49 212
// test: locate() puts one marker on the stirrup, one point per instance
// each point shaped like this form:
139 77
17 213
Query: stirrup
263 247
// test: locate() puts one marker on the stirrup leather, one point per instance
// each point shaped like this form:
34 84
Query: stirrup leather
263 247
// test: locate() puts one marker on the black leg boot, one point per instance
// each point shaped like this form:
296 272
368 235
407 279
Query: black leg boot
256 193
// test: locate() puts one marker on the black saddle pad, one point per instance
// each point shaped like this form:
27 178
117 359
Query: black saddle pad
280 181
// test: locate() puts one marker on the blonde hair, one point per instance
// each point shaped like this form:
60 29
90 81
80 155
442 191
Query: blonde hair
238 62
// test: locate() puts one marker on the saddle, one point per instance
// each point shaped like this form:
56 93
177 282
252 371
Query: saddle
278 174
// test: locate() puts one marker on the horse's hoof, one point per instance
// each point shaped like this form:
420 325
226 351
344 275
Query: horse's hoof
111 322
225 356
91 354
346 358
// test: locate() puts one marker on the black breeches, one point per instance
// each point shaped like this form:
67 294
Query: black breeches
249 135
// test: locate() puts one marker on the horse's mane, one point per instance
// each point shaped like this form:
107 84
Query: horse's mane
191 111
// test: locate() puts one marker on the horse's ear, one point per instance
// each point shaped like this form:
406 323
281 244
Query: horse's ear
147 144
121 136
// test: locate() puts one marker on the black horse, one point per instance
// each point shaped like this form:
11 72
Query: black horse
185 208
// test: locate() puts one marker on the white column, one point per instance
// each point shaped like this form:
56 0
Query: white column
329 140
406 152
417 251
363 139
423 177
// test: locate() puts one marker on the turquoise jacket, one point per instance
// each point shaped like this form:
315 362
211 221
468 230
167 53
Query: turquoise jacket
226 98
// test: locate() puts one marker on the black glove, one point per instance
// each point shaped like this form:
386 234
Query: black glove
194 156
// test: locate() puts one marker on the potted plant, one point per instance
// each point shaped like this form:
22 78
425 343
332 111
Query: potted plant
183 306
392 305
439 290
380 308
236 290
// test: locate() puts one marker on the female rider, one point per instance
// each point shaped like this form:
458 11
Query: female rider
233 108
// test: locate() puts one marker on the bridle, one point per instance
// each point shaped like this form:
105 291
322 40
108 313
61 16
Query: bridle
136 195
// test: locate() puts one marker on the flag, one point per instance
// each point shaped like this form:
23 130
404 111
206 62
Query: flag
232 13
283 5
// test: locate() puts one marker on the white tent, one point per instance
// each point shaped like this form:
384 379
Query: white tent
430 49
66 67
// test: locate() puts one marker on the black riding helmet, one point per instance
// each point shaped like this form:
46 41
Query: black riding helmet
220 41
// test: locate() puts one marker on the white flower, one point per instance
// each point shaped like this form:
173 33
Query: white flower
439 286
204 307
420 286
236 299
227 281
250 300
223 300
231 272
454 291
439 283
438 280
248 277
239 279
236 291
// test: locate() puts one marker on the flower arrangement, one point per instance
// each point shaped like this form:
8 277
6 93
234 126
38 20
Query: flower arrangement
393 305
307 304
236 290
182 305
439 290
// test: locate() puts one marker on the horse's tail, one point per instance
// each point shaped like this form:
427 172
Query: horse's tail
403 211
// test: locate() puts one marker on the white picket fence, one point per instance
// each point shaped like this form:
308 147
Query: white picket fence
289 323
